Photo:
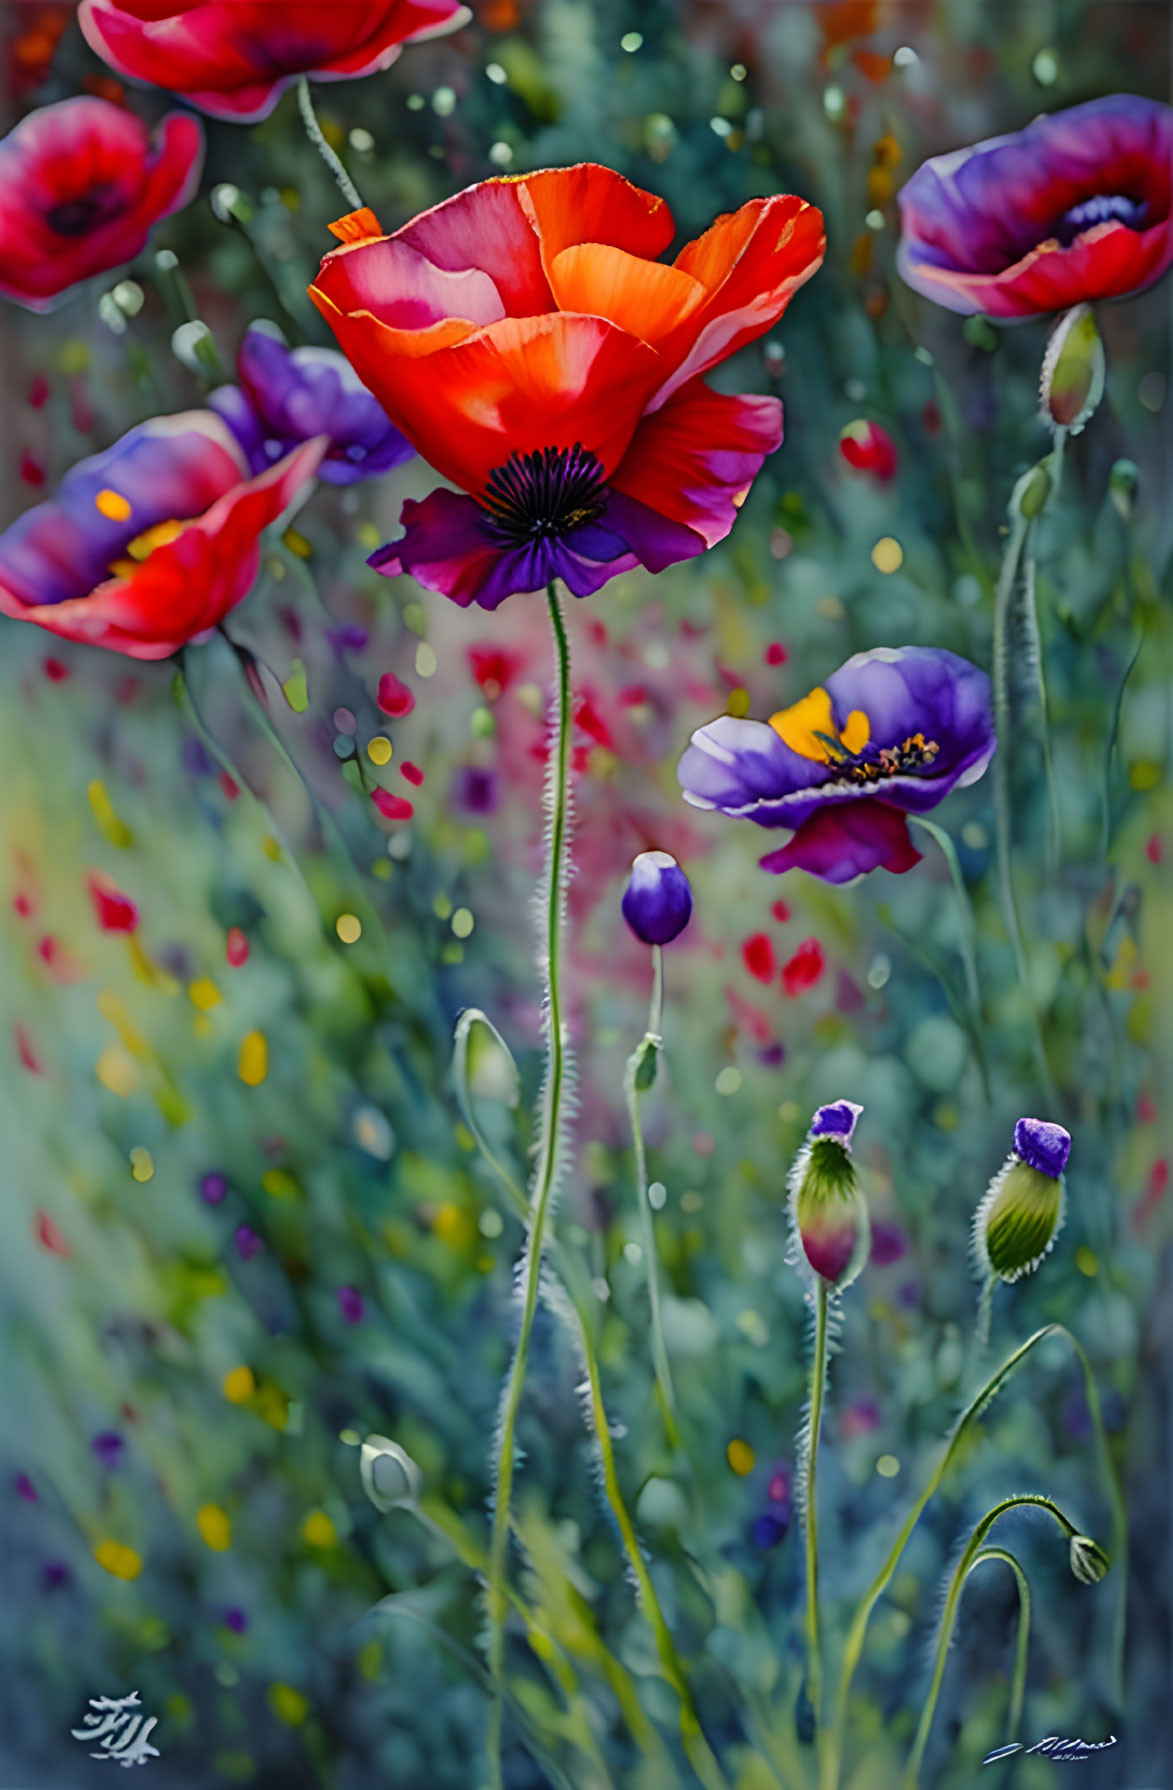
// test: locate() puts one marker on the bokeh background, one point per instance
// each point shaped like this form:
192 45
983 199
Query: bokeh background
214 1285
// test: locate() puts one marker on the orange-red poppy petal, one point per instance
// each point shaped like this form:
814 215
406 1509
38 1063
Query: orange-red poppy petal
518 386
589 203
694 459
646 298
751 262
397 283
486 227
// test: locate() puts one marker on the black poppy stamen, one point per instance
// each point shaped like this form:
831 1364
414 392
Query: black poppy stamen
1102 208
544 495
915 754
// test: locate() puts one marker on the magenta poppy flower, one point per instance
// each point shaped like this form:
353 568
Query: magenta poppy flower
889 734
81 187
1076 207
289 395
148 545
235 58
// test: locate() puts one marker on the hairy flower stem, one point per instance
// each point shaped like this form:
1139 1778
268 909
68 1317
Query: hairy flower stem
857 1633
633 1093
1003 601
313 131
550 1149
949 1615
814 1664
1018 1683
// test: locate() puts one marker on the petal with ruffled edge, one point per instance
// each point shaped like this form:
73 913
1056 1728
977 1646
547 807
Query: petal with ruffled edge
450 545
750 263
186 587
234 58
840 844
695 459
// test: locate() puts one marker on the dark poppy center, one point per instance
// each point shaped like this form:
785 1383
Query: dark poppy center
77 217
1103 208
914 754
544 495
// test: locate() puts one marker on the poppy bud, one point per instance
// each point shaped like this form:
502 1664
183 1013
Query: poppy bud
1074 366
390 1478
866 447
657 901
1089 1562
827 1211
1022 1212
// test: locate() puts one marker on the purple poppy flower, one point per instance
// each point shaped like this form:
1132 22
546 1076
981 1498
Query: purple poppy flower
1074 208
657 902
889 734
289 395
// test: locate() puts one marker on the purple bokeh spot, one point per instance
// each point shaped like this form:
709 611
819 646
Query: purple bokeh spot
26 1489
54 1574
213 1187
476 790
350 1304
1042 1146
109 1447
768 1530
236 1620
888 1243
247 1242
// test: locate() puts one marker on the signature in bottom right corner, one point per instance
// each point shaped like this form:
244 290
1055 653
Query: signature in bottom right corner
1064 1752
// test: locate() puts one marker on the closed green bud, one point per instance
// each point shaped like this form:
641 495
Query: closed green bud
1089 1562
1022 1212
828 1213
1074 366
1032 491
390 1478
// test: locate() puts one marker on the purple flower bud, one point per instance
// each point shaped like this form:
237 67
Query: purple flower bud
836 1120
1042 1146
657 901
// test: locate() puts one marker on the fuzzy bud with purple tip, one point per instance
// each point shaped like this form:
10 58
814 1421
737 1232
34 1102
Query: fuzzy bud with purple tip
1022 1212
828 1213
657 901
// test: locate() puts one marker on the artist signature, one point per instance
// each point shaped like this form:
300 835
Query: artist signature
1063 1751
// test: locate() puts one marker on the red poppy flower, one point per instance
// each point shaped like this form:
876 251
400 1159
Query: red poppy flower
235 58
80 188
152 542
530 345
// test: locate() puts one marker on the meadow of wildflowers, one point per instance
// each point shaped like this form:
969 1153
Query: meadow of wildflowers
586 713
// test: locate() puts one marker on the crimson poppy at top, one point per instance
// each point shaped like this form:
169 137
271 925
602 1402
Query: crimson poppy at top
150 543
1076 207
235 58
890 734
80 187
530 345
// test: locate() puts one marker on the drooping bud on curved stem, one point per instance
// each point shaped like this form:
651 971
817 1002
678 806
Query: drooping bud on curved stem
828 1213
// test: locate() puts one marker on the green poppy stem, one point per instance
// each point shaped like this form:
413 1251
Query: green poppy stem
313 131
551 1150
633 1094
814 1665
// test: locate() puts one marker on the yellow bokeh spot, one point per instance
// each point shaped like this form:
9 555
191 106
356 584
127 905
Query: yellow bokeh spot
121 1562
280 1184
349 928
254 1060
317 1531
738 704
116 831
288 1705
1087 1261
215 1525
142 1165
272 848
741 1457
887 1466
887 554
1144 774
463 922
274 1407
113 506
454 1226
204 994
117 1071
369 536
808 728
297 543
379 750
239 1384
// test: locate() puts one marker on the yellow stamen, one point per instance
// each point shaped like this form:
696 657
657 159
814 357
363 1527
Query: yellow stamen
113 506
809 725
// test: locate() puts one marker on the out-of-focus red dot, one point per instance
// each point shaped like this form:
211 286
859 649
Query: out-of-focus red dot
26 1051
229 785
236 947
598 632
115 912
23 904
631 696
1152 850
930 416
804 968
39 391
781 912
56 671
394 697
62 965
587 716
48 1236
776 653
31 471
412 772
392 807
1146 1110
757 953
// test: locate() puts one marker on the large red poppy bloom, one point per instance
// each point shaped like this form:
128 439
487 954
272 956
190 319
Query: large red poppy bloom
529 344
80 188
152 542
235 58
